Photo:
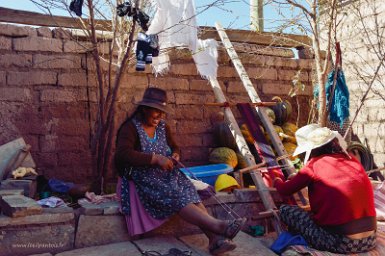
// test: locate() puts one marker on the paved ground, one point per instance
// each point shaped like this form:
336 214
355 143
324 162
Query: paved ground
197 244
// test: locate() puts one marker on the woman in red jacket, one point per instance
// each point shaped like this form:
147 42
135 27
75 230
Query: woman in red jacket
342 217
150 187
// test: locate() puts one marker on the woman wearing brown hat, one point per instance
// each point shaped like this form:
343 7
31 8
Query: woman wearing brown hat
150 186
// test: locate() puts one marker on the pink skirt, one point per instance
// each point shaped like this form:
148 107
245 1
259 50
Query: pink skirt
139 221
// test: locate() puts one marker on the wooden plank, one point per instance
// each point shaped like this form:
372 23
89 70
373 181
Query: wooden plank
261 38
263 191
38 19
254 97
262 50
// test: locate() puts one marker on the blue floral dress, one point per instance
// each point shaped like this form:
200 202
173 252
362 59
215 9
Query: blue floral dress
162 193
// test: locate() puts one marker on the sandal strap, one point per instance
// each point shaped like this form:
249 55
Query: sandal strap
234 227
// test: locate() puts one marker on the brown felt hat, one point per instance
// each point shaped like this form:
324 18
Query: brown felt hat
155 98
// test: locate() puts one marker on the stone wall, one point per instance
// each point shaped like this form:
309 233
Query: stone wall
361 34
48 95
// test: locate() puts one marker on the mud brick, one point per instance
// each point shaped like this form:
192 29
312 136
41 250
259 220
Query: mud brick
16 31
31 78
169 83
15 94
200 85
134 81
78 47
262 73
185 69
5 43
16 60
44 32
72 79
3 78
38 44
56 61
51 95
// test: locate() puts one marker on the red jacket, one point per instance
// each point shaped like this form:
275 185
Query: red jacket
339 189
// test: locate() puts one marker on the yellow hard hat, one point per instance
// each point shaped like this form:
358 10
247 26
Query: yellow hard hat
225 182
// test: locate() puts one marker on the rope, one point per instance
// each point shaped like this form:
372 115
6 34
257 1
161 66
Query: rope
226 207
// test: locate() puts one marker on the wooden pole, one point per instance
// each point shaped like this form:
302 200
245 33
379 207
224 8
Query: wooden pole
254 97
256 15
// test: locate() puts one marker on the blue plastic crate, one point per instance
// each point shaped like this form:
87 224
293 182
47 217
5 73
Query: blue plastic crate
207 173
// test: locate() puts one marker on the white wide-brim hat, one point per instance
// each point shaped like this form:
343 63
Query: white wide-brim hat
314 136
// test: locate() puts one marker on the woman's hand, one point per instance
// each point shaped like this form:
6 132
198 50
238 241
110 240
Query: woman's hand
175 156
164 162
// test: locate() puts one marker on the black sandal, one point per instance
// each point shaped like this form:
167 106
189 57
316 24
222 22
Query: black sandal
222 246
171 252
234 227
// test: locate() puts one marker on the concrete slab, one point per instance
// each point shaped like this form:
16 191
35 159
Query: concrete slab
19 206
246 245
116 249
161 244
100 230
11 192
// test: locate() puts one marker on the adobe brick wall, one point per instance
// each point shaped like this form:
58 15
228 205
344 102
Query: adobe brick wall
359 64
47 97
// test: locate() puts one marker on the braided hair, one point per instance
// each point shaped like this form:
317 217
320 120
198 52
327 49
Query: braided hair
331 147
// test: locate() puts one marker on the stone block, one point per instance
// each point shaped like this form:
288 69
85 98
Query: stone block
41 44
115 249
15 31
19 206
5 43
56 61
15 60
113 228
32 239
28 186
32 78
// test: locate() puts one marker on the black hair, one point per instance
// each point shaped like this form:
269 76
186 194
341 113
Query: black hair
331 147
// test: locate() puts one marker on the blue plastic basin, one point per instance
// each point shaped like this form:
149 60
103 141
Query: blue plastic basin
207 173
